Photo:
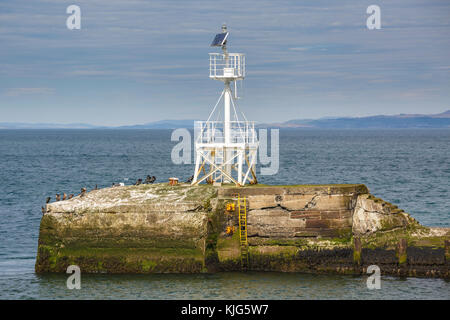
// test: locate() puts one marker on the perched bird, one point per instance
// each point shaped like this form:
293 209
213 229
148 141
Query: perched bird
64 196
138 182
83 192
190 179
71 196
153 179
58 197
47 200
148 180
96 187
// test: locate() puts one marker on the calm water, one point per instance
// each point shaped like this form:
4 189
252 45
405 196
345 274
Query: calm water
410 168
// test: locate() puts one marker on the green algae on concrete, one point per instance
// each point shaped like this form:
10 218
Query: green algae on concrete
304 228
415 234
133 229
117 260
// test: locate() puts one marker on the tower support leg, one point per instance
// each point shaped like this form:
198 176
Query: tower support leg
197 166
240 163
227 129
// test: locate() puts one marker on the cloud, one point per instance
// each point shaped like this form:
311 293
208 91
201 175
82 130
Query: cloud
15 92
150 50
89 73
299 48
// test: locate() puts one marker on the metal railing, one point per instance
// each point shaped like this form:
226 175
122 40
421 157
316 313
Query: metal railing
213 132
222 67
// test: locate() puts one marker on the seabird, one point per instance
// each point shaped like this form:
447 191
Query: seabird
47 200
64 196
148 180
96 188
138 182
71 196
83 192
58 197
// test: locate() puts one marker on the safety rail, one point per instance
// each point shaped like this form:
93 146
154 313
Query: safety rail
231 65
213 132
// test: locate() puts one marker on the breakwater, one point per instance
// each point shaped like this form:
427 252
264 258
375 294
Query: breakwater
183 229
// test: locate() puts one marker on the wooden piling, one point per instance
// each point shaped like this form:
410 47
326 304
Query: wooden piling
447 250
357 248
401 251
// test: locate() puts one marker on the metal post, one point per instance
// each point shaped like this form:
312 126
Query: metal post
197 166
227 129
240 163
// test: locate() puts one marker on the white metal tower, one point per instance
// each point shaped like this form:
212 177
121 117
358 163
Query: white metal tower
226 146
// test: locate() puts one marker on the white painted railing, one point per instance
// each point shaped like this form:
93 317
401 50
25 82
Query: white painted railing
212 132
232 67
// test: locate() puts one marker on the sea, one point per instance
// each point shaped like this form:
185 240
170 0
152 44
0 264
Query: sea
407 167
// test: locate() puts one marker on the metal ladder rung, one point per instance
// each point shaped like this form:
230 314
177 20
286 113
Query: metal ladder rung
242 209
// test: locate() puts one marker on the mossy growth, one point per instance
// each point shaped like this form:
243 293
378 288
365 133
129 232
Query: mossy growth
390 222
306 243
357 257
214 227
276 258
402 258
299 242
345 235
415 234
119 260
277 251
326 188
148 265
204 192
228 248
259 185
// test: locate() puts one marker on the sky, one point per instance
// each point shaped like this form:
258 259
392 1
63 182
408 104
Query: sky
134 61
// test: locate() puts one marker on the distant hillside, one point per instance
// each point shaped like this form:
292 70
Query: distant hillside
22 125
441 120
163 124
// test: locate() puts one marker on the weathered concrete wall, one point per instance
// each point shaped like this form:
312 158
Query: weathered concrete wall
314 229
127 229
158 228
299 211
372 214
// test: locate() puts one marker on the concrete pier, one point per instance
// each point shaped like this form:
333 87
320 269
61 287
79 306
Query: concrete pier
182 229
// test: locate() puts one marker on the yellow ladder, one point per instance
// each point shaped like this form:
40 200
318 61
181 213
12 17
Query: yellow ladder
242 210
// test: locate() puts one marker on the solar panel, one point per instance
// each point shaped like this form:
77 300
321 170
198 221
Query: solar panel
219 39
